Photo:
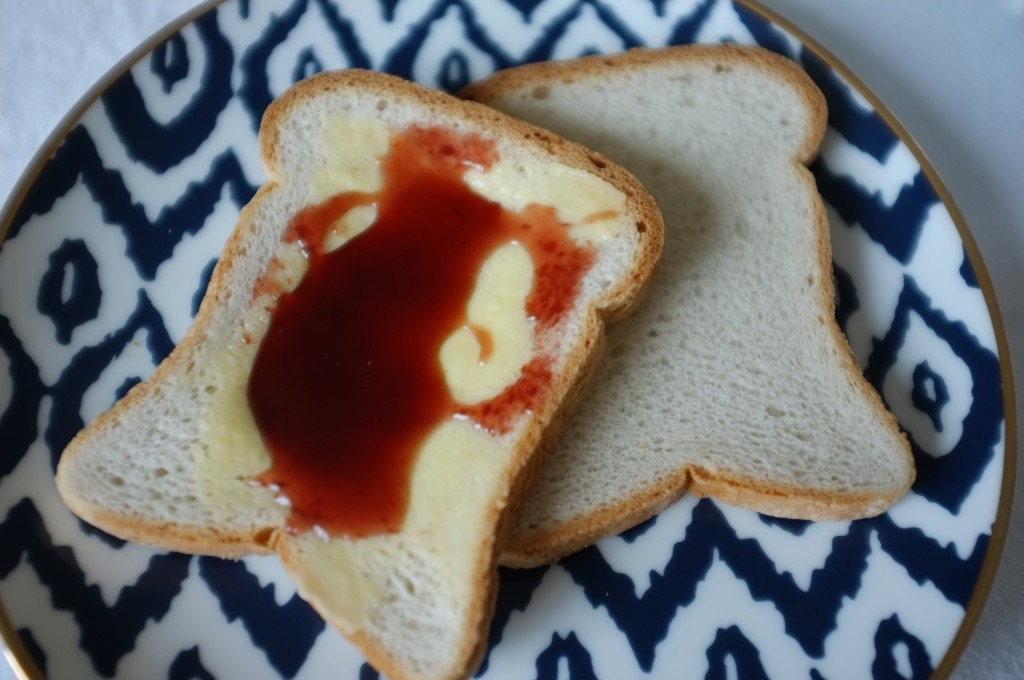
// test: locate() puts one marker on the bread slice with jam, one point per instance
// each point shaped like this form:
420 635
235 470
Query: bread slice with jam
397 329
733 380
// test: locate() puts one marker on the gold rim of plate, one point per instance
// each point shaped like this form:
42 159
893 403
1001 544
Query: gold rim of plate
23 664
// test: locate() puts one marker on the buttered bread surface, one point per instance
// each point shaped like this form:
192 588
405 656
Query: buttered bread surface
396 330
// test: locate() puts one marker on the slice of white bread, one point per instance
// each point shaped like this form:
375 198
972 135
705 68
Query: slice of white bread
177 462
734 380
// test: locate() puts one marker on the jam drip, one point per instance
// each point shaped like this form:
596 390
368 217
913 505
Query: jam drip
347 383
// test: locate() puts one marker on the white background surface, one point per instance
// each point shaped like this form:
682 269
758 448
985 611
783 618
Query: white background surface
951 70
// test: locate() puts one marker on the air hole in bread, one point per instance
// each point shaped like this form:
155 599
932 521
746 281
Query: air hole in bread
801 435
210 389
263 536
641 227
382 104
540 92
160 472
598 161
774 411
722 68
116 481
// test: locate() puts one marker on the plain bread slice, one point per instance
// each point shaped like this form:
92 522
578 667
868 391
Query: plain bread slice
733 380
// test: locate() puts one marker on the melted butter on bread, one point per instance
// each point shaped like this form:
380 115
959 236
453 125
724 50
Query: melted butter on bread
290 266
592 208
340 575
351 224
445 522
497 308
352 148
233 446
231 449
439 523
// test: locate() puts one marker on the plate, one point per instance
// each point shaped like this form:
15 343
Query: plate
108 253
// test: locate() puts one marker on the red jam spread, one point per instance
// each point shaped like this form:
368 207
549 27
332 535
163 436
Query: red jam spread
347 383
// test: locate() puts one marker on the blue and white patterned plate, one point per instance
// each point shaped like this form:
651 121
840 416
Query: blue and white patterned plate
107 255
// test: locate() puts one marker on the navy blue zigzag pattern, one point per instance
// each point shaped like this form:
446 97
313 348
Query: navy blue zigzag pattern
150 242
242 597
107 632
160 146
947 480
810 615
255 91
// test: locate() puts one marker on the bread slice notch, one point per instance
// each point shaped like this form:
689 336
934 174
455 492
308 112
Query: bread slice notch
734 380
173 463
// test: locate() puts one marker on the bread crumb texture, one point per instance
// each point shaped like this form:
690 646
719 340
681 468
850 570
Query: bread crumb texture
733 378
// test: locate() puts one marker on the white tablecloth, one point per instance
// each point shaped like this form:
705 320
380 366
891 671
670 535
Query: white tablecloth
952 71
